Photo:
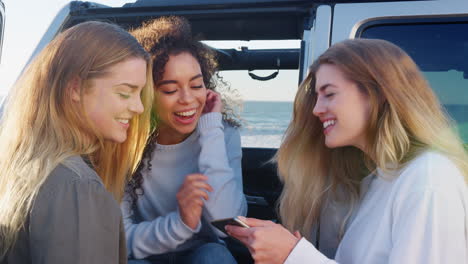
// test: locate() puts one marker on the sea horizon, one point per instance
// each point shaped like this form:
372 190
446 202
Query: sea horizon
264 123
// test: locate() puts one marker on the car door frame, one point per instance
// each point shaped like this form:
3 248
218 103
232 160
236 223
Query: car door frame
2 25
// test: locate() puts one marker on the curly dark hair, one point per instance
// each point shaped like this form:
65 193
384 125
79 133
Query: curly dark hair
172 35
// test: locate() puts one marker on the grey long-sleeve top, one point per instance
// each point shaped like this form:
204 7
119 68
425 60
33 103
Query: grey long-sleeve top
214 150
74 219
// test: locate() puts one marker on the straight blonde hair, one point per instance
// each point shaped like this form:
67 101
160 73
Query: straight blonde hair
406 119
42 126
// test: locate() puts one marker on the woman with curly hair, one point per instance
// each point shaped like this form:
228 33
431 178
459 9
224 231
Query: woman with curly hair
373 170
191 169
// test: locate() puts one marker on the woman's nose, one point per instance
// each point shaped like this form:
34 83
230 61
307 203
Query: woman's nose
319 107
136 105
186 96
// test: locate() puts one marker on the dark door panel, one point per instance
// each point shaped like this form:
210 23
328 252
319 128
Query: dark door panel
261 184
262 189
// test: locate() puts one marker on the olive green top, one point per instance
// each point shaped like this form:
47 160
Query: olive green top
74 219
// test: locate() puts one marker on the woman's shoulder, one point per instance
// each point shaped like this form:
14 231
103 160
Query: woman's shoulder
72 195
231 132
75 174
75 168
72 187
433 162
433 170
230 127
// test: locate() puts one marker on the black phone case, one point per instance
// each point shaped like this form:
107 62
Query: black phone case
221 223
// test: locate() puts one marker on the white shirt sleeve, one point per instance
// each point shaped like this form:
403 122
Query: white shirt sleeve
305 252
161 235
421 232
220 160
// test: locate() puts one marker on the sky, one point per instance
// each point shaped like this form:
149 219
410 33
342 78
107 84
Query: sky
27 21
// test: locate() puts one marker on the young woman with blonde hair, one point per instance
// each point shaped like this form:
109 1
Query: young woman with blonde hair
366 109
73 130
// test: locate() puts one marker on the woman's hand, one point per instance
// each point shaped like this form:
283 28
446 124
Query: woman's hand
267 242
191 197
213 102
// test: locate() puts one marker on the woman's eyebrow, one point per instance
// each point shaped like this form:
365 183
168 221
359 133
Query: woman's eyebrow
196 76
323 87
164 82
132 86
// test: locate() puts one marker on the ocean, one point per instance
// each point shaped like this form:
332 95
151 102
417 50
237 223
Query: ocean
265 123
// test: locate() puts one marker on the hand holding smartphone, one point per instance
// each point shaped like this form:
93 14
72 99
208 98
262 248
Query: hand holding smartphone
221 223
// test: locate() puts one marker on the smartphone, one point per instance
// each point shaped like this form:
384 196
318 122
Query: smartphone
221 223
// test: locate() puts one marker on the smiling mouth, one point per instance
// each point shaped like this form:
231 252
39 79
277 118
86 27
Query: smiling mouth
123 121
328 123
186 114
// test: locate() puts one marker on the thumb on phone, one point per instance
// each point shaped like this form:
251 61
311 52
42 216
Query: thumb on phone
297 234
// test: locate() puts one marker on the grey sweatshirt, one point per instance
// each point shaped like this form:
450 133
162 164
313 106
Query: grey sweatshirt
74 219
156 227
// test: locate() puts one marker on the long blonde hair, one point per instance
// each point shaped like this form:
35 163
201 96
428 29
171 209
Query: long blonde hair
41 126
406 119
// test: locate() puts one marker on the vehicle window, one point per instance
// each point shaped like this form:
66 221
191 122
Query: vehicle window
266 105
441 51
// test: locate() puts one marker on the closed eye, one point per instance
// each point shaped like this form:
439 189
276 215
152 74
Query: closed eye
329 95
197 87
169 92
124 96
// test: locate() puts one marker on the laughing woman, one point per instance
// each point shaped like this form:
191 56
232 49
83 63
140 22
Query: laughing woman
191 171
373 114
69 125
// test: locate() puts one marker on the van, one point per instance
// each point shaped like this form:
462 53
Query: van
433 32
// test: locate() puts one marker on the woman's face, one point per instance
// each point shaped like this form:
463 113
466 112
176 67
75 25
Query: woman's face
180 98
114 99
342 108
